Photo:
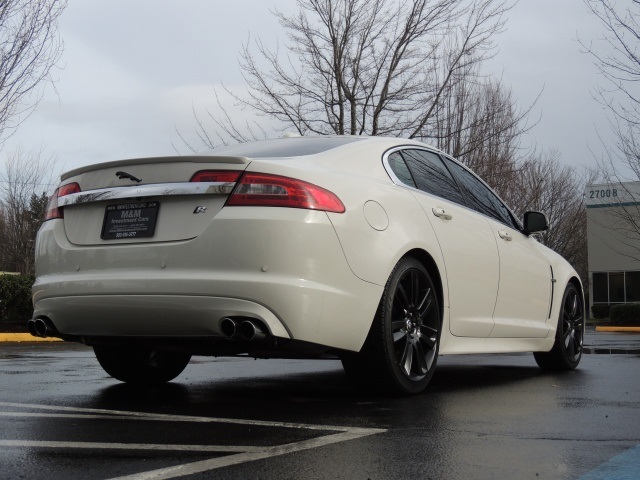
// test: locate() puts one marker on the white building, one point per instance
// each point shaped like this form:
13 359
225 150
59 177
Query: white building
613 236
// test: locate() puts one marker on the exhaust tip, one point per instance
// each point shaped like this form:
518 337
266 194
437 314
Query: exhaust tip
251 331
228 327
31 326
40 327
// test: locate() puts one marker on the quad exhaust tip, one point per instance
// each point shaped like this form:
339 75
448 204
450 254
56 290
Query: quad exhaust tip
42 327
249 330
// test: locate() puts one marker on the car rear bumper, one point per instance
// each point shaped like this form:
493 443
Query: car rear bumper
284 267
151 315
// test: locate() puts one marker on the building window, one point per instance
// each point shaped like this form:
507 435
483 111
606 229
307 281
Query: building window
600 288
632 286
616 287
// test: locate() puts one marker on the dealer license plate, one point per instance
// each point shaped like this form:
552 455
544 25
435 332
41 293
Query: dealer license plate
130 220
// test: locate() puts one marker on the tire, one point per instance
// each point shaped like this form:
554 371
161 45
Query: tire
141 365
400 353
567 348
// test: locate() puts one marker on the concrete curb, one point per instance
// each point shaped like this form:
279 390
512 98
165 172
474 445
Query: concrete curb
618 329
25 337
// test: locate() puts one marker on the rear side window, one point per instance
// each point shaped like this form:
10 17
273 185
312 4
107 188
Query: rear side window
479 197
431 175
400 169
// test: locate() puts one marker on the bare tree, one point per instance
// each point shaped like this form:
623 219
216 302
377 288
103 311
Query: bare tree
478 123
617 57
373 67
544 184
23 199
410 69
30 47
4 256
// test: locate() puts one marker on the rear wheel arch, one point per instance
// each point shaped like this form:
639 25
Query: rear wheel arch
400 353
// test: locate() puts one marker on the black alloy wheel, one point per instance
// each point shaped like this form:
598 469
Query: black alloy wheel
401 350
567 348
415 324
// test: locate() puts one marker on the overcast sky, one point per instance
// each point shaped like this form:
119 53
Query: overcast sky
132 70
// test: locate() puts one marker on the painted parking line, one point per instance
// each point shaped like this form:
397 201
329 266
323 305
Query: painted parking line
625 466
238 453
128 446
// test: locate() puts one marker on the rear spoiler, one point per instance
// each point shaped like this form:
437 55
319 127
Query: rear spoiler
142 161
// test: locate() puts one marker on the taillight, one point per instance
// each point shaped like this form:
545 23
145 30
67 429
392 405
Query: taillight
264 190
53 211
225 176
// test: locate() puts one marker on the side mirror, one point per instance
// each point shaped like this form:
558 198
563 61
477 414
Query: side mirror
535 222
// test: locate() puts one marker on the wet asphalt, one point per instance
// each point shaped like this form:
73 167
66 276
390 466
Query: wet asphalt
483 417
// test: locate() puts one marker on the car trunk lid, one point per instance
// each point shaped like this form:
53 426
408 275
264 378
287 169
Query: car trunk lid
146 200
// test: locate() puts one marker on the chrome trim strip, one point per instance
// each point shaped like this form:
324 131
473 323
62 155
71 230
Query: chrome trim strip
390 172
150 190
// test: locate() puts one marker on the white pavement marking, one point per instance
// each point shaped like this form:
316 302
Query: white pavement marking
247 453
183 418
212 464
129 446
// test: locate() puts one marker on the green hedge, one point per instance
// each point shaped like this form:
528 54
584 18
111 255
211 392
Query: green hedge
600 311
625 315
15 298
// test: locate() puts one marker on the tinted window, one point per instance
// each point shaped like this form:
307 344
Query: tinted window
400 169
431 175
600 287
478 196
632 286
616 287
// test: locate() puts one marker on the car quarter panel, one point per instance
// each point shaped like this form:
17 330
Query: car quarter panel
373 251
382 221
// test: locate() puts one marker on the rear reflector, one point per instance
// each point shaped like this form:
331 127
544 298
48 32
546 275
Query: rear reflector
53 211
225 176
264 190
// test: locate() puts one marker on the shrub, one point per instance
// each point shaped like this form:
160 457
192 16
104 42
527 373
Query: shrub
600 311
15 298
625 315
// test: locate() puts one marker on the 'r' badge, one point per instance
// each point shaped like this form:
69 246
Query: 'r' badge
200 210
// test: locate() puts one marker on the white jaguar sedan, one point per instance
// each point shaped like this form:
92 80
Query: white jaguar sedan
383 252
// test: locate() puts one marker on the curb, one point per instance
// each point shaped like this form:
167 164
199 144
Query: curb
618 329
25 337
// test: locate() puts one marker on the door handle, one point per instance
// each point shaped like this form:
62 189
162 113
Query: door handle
440 213
505 235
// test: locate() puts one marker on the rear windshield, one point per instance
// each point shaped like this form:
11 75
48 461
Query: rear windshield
284 147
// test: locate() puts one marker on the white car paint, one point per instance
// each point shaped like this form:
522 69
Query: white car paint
313 278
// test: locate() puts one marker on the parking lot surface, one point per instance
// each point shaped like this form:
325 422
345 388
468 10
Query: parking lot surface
483 417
